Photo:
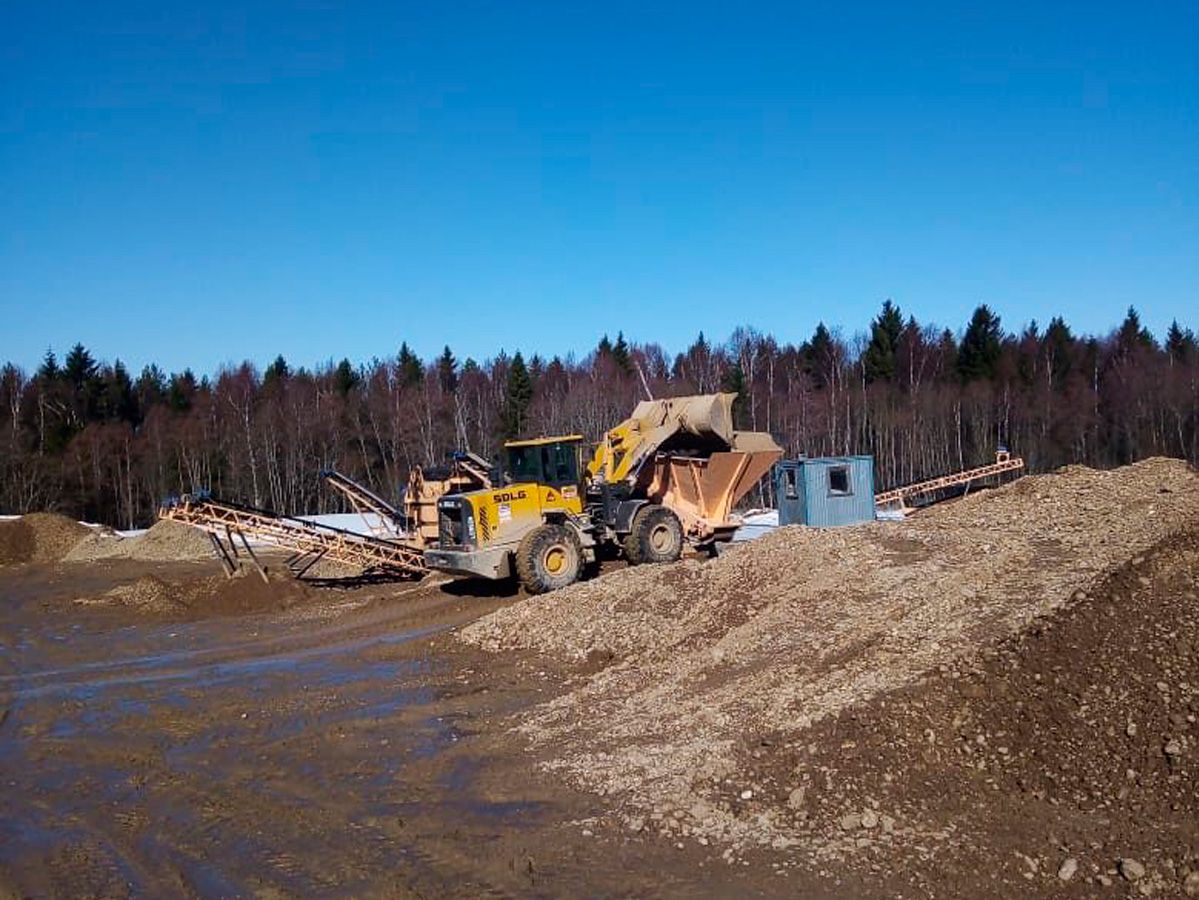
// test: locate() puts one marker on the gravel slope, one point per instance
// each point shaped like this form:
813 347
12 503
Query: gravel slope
779 635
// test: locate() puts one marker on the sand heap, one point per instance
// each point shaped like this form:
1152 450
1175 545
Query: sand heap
39 538
165 541
784 632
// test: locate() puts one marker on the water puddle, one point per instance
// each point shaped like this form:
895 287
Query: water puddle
302 762
164 667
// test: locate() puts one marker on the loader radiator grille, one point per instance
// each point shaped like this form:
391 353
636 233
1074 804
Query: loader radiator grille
451 523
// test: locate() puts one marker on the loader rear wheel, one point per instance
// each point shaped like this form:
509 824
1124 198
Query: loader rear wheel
656 536
549 557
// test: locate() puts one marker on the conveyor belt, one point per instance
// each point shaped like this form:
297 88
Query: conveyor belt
1003 463
308 541
365 502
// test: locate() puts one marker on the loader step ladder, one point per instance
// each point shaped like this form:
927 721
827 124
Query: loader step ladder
365 502
1004 462
309 542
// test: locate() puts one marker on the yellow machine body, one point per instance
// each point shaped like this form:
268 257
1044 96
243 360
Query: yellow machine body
480 529
504 515
669 473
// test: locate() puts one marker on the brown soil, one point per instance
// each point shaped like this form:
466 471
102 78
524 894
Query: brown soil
164 541
802 625
1075 739
38 538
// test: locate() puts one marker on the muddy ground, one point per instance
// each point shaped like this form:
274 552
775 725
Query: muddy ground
998 698
341 745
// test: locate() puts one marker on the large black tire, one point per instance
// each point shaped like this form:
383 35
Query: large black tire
656 536
549 557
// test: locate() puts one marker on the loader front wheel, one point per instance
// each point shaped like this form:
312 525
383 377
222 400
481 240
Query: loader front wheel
549 557
656 536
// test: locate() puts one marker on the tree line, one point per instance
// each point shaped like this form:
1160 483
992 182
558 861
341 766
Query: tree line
88 439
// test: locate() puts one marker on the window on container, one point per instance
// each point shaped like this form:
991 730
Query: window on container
839 484
790 490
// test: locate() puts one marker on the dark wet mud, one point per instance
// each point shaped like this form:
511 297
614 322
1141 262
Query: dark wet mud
348 747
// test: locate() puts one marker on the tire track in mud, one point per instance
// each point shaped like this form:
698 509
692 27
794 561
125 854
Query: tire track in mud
174 664
132 809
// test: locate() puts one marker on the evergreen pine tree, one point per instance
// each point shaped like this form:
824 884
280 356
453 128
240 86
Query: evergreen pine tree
1028 354
1180 343
151 387
79 367
981 346
447 371
277 371
56 424
119 399
947 350
182 390
82 373
734 382
1132 336
345 379
878 361
517 397
49 371
536 370
620 354
411 372
1058 347
816 353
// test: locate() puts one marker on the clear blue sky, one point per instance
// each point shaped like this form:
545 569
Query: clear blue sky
206 182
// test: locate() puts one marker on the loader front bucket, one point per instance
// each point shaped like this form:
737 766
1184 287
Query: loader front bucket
703 491
706 416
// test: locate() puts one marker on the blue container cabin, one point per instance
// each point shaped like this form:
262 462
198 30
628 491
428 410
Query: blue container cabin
825 491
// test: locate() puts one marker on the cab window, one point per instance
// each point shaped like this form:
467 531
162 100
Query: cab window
524 464
556 465
561 464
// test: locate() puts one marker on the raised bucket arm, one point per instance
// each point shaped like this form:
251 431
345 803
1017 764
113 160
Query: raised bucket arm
702 422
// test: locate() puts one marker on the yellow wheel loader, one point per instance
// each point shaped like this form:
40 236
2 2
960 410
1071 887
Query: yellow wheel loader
667 476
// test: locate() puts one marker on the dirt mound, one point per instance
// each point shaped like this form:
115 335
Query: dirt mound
39 537
166 541
1074 740
798 626
147 594
332 570
218 595
247 592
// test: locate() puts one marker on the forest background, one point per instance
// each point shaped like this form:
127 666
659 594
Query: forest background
89 439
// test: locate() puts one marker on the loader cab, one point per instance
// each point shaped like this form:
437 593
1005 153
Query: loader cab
553 461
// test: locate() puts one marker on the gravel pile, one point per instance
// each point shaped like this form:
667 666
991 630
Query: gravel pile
39 538
147 594
799 627
244 592
166 541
